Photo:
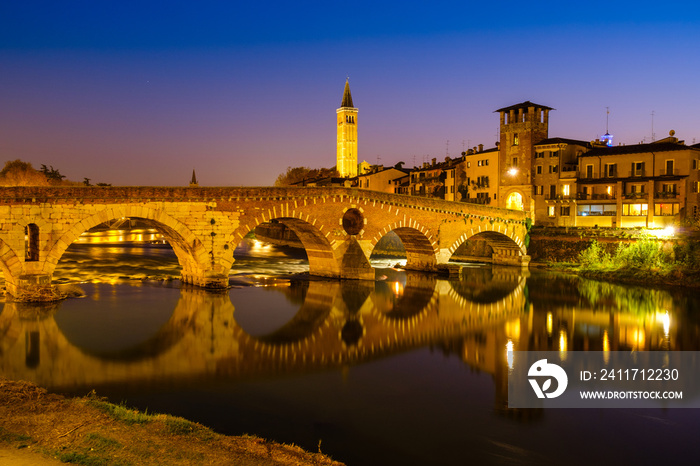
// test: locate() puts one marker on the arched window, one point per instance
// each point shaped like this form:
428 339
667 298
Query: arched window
31 242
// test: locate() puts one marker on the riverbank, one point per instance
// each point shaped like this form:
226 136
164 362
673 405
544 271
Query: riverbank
50 428
640 260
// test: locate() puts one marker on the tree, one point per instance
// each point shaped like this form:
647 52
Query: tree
52 173
297 174
18 173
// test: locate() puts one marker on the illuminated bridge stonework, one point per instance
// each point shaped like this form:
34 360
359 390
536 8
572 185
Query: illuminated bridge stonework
338 227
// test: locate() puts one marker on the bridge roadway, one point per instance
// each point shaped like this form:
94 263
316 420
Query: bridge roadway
338 227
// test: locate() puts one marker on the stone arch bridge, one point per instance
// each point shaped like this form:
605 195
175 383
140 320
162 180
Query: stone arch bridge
338 227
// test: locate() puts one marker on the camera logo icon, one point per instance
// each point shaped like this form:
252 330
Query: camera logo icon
541 370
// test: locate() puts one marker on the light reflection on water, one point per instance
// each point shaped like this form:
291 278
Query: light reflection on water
99 263
407 370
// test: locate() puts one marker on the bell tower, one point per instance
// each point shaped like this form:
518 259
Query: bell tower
347 136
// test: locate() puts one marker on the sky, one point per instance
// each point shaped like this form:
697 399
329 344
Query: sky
143 92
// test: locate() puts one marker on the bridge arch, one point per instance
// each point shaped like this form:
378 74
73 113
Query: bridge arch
506 244
420 252
330 250
10 264
188 248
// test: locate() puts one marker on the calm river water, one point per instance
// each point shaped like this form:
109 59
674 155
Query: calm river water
410 369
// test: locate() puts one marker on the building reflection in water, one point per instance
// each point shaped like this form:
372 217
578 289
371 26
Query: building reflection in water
484 317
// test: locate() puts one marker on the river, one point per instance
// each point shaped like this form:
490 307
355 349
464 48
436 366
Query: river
410 369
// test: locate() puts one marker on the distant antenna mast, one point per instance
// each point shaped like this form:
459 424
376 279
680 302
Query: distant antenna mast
607 138
653 135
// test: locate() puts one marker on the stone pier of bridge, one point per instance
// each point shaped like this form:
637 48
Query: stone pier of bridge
338 227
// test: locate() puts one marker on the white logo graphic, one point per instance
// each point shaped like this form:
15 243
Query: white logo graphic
542 369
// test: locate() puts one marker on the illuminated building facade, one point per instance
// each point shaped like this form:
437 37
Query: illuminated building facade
346 156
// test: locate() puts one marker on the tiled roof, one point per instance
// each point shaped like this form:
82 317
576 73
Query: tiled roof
636 149
563 141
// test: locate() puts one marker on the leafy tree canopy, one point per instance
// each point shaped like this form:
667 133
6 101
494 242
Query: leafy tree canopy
297 174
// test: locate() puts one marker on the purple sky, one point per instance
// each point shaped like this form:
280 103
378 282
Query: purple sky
140 93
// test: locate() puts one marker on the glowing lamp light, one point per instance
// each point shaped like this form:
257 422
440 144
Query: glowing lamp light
513 171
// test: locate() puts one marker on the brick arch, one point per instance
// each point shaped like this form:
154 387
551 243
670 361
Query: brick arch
315 234
495 235
309 230
421 253
10 263
187 247
522 196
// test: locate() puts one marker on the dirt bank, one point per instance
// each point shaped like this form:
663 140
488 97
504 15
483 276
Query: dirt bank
42 428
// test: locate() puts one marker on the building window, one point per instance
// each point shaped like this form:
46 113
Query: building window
469 164
666 209
589 171
554 153
565 190
565 211
539 169
610 170
486 162
478 163
552 191
634 209
669 188
516 139
669 167
551 211
515 162
637 168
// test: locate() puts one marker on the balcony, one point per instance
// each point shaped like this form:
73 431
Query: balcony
636 195
559 197
595 196
665 195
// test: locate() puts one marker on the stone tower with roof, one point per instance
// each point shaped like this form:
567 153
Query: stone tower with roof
521 127
347 136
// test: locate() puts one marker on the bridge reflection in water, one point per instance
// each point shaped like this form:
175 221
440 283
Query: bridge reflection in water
335 324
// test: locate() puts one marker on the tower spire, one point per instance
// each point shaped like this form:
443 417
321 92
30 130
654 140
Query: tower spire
346 155
347 97
193 181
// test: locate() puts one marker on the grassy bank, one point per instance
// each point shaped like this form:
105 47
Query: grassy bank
91 431
646 261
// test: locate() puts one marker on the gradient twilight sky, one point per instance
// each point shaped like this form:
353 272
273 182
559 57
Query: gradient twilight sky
141 92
